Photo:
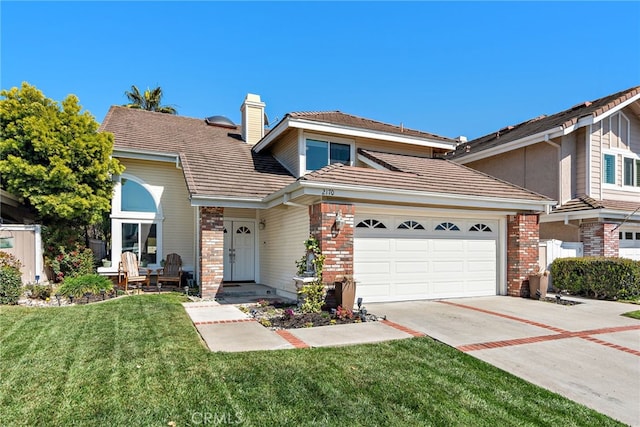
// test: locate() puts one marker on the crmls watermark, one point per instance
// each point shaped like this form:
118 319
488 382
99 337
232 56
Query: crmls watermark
216 418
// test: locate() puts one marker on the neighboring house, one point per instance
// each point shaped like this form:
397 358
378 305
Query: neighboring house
237 204
587 158
21 237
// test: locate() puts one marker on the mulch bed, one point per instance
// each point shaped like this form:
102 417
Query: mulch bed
285 315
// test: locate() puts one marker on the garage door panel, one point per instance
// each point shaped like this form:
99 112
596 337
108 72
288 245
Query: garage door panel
451 266
399 267
411 245
411 267
445 245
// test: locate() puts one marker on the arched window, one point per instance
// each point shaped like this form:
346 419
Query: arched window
447 226
370 223
136 224
135 198
411 225
480 227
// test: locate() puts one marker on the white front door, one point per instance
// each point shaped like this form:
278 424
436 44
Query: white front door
239 251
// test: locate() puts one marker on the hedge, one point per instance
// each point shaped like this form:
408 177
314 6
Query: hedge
598 277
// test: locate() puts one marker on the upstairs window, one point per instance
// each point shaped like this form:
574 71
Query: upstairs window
322 153
136 198
631 172
609 169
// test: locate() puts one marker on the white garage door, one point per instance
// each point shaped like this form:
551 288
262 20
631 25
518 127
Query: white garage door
630 243
396 258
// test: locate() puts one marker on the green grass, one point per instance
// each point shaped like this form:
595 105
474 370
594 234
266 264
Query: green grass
138 361
632 314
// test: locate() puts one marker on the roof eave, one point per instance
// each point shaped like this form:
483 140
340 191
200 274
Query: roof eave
425 197
143 154
589 214
324 127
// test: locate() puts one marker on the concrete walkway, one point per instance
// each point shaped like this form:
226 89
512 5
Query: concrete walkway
224 327
587 352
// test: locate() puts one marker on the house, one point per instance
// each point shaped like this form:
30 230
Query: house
587 158
237 203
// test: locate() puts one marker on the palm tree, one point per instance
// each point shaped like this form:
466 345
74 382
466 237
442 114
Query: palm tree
149 100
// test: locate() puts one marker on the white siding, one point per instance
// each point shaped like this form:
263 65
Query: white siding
281 244
286 152
178 227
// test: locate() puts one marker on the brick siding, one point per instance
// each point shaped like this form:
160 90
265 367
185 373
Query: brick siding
599 239
523 236
337 246
211 251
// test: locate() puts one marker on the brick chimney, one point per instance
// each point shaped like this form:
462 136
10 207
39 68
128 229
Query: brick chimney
252 119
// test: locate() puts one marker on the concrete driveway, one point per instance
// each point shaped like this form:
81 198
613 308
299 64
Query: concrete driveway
586 352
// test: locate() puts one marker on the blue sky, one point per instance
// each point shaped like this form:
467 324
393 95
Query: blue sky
452 68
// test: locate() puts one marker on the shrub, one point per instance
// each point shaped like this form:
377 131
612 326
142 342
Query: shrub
70 263
10 279
312 296
38 291
79 285
597 277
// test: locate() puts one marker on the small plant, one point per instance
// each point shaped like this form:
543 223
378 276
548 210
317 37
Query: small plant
243 308
312 295
38 291
308 325
88 283
265 322
10 279
332 322
344 313
262 303
289 313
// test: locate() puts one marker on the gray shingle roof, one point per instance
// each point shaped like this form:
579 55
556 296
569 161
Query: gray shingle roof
422 174
215 160
543 123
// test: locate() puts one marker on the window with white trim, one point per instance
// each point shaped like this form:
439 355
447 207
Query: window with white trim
480 227
631 171
609 169
321 153
136 221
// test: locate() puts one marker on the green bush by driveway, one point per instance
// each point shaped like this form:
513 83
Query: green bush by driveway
138 361
607 278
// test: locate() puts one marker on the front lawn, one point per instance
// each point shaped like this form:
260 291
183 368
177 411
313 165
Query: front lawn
138 361
632 314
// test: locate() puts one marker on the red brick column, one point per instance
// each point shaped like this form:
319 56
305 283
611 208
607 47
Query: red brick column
599 239
211 251
523 236
336 246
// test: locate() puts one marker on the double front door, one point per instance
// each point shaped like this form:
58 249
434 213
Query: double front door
239 251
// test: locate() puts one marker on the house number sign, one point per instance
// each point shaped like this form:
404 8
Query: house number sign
328 192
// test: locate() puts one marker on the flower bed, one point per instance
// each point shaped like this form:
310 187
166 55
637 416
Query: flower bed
286 315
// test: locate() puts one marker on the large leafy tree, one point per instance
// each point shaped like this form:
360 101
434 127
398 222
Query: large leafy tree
53 156
149 100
